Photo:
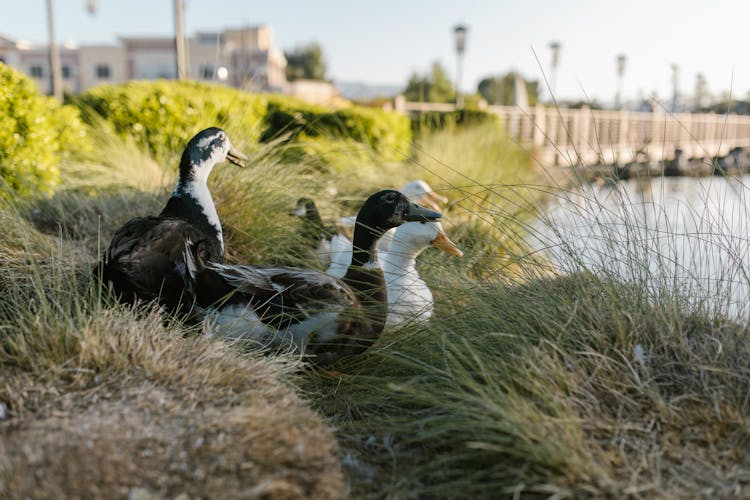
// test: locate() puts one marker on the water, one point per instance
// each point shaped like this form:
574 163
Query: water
681 233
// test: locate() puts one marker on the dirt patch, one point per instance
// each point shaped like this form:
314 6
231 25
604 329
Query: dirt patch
135 438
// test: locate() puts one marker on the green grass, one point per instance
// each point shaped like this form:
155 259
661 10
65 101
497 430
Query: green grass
525 382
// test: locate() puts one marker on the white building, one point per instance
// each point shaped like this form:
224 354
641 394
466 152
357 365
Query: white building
242 58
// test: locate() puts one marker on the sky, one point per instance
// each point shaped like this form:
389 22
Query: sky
386 41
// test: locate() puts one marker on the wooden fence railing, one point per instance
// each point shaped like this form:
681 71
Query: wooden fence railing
586 136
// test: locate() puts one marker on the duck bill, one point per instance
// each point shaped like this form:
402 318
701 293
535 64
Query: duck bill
419 214
436 198
442 242
237 157
429 203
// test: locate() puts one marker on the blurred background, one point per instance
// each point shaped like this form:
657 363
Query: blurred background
687 56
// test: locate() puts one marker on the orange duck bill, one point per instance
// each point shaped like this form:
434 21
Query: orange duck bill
444 243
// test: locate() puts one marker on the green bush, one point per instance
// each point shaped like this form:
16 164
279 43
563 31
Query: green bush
432 121
36 133
386 133
162 115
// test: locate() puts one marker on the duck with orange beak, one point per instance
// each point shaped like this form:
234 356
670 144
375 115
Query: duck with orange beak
409 297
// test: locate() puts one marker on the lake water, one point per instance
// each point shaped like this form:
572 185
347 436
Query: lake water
677 232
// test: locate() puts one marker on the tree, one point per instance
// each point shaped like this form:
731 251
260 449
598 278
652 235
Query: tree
433 87
501 90
306 62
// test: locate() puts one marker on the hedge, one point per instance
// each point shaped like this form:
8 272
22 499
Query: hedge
387 133
162 115
36 133
432 121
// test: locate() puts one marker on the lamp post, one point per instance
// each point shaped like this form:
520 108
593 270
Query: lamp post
92 6
675 86
54 55
621 59
179 41
459 34
554 47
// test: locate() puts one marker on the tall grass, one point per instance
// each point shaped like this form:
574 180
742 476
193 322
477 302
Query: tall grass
540 377
603 376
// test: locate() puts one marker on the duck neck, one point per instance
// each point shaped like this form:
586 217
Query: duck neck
365 246
314 228
191 200
366 279
400 259
313 218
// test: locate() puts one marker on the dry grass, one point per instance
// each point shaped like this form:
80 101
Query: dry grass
103 401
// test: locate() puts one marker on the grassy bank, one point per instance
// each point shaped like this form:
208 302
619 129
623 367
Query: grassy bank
525 381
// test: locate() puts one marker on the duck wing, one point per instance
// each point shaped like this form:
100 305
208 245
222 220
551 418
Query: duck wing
144 253
281 296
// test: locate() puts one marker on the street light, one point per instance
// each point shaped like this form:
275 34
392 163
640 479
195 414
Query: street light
179 40
56 83
675 86
621 59
459 34
554 47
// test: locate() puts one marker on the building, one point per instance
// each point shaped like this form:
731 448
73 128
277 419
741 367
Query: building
242 58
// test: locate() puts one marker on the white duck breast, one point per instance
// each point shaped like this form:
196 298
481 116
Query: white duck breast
341 256
341 252
409 297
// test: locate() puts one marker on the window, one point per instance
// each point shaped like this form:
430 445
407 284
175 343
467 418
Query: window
211 38
207 72
66 72
102 71
36 71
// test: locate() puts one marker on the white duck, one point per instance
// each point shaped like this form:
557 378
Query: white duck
409 298
421 193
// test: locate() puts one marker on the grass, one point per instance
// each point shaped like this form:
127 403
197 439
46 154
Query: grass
527 382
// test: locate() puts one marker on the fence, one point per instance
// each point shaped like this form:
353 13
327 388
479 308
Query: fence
586 136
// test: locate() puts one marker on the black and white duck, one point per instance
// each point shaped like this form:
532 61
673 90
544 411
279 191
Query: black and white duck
314 231
301 309
144 253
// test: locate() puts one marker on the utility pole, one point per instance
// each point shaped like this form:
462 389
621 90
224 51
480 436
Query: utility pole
554 47
54 55
621 59
675 86
179 41
459 34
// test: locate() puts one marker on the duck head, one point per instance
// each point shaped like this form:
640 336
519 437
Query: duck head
421 192
305 206
207 148
388 209
413 237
